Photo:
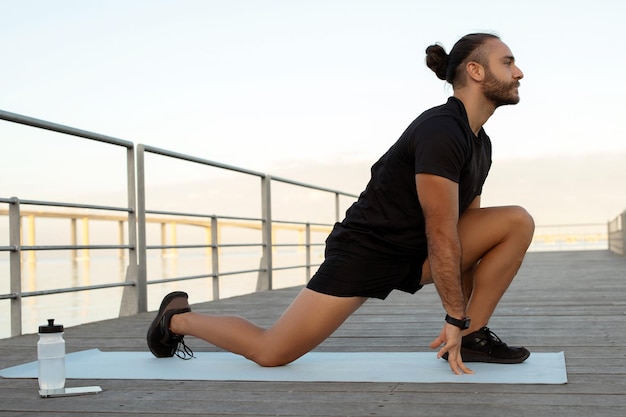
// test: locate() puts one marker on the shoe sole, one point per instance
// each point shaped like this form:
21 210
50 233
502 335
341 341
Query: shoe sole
472 356
166 300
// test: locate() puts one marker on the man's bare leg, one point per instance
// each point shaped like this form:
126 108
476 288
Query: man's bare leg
494 241
309 320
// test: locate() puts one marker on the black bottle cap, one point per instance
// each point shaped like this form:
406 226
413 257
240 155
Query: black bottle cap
51 327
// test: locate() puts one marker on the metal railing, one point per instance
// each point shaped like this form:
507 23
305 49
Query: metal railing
569 237
15 228
617 234
266 269
134 298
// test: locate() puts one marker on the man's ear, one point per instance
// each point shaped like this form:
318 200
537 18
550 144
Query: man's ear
475 71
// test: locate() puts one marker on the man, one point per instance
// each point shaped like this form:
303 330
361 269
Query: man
418 222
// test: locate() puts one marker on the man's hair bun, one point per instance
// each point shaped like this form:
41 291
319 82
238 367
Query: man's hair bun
437 60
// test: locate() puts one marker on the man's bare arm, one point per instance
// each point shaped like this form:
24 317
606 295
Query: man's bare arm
440 203
438 197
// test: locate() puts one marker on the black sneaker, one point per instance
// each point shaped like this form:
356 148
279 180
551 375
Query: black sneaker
162 342
484 346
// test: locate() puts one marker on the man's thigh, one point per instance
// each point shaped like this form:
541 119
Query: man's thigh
482 229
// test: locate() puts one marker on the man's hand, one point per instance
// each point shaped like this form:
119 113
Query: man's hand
450 342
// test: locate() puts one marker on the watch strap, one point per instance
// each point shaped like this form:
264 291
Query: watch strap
462 324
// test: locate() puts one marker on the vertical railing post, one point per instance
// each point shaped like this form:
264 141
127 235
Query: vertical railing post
163 239
142 280
133 299
85 237
15 261
32 238
136 301
173 238
120 238
265 276
215 258
73 238
623 229
337 202
608 234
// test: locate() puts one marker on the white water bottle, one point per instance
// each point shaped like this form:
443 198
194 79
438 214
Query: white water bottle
51 356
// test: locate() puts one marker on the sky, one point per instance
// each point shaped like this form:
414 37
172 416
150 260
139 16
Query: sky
271 85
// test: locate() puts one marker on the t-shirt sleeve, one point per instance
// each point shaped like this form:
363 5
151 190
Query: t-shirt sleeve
440 148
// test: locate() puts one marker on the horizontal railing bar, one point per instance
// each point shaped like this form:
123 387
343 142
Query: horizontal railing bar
72 205
302 223
166 280
55 127
232 245
294 245
66 290
153 247
163 152
245 271
314 187
282 268
237 245
222 245
75 247
167 213
189 158
12 296
178 247
208 216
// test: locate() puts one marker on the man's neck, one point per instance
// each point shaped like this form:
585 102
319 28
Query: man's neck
478 108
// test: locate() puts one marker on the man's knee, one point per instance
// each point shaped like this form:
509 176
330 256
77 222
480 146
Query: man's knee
522 219
521 226
268 359
266 354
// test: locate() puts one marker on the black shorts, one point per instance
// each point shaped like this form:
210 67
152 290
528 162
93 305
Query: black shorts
350 269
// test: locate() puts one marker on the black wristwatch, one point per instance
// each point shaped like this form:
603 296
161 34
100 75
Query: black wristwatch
462 324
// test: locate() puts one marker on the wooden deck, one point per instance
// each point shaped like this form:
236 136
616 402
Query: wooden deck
570 301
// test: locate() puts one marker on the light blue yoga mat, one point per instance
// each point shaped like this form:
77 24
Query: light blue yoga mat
414 367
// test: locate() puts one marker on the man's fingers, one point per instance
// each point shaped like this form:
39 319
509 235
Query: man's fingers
459 368
456 363
436 343
453 362
465 369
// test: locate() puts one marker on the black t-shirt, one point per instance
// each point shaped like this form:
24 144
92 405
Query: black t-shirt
387 216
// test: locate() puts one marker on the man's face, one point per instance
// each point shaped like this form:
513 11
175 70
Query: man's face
501 75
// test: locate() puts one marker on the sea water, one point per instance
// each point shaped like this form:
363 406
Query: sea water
53 270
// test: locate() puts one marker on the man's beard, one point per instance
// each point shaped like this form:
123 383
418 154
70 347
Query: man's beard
499 92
